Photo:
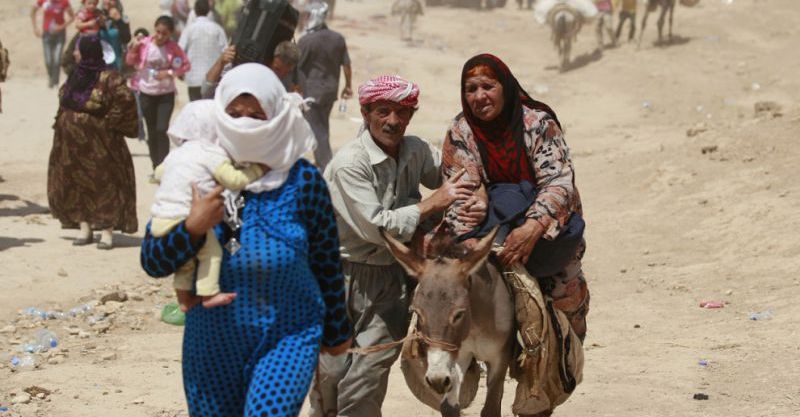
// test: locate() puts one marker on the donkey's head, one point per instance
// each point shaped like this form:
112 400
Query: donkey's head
442 304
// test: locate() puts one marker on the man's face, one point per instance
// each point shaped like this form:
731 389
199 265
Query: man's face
280 68
387 121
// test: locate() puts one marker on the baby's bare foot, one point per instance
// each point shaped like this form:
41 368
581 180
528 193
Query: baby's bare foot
218 300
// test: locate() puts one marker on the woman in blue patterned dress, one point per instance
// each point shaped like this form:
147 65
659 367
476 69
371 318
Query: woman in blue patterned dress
256 356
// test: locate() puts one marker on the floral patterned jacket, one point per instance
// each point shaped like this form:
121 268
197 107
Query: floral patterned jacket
557 196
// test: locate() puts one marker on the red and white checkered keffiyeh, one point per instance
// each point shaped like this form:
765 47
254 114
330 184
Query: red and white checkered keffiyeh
389 88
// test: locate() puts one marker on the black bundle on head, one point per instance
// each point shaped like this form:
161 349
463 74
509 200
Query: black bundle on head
78 88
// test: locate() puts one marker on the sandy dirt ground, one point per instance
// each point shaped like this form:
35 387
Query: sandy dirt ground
689 195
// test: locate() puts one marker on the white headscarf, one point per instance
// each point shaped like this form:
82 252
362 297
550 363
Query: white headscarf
194 122
277 142
317 14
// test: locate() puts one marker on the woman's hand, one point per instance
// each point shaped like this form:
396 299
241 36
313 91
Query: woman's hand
163 75
472 213
206 212
136 42
520 243
339 349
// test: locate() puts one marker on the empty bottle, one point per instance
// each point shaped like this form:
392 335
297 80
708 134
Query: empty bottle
35 312
25 362
81 309
342 106
43 341
761 315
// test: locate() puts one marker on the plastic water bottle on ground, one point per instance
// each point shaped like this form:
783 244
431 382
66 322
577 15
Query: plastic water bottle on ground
47 339
81 309
35 312
43 341
25 362
761 315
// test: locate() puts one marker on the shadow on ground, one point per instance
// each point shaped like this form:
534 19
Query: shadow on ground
578 62
675 40
120 240
28 207
12 242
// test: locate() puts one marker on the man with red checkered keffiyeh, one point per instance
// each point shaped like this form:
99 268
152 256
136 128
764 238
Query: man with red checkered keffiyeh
374 182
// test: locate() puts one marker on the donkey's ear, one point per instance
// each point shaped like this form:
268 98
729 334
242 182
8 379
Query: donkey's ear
479 252
411 262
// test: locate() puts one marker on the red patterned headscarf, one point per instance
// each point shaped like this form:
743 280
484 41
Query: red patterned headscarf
389 88
501 141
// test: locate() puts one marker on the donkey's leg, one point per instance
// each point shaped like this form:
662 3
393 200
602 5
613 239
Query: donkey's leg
495 377
599 32
661 18
671 13
610 29
567 52
644 24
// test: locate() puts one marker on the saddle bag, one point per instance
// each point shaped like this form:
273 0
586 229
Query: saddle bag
549 355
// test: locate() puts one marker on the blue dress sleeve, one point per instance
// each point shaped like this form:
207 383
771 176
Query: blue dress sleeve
162 256
324 257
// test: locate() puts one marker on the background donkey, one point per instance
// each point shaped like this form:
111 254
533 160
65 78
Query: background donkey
666 6
565 25
465 312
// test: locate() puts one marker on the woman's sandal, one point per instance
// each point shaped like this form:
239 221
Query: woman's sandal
82 241
104 246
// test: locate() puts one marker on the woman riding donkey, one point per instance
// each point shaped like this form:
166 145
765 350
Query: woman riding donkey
515 146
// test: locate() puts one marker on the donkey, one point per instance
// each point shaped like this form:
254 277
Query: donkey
667 6
565 24
465 313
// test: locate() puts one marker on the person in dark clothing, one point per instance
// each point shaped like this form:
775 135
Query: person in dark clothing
322 53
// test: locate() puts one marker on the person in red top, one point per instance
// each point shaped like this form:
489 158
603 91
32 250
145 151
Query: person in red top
89 18
57 15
